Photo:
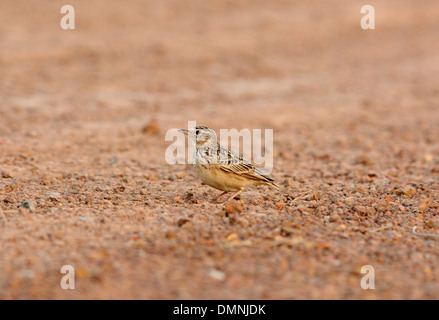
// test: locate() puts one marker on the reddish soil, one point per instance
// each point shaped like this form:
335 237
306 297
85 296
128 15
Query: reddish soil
356 124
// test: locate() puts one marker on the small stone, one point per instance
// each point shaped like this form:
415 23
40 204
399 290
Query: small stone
362 230
54 196
216 274
334 217
364 160
152 127
232 236
409 192
119 189
82 273
428 158
180 175
170 235
188 196
234 206
280 205
9 199
286 231
5 174
243 222
181 222
28 204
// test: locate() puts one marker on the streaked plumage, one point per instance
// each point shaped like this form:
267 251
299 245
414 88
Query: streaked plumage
222 168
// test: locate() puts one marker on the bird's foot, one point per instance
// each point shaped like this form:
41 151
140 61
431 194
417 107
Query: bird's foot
215 200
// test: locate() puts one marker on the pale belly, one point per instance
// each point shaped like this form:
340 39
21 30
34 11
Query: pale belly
221 180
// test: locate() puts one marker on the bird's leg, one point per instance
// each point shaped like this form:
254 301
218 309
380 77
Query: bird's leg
219 196
234 195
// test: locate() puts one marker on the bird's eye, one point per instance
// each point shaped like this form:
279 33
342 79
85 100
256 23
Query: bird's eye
197 132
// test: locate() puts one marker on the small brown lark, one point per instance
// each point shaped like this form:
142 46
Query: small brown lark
222 168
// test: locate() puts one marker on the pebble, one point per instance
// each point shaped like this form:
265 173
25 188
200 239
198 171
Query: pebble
234 206
5 174
334 217
216 274
180 175
181 222
152 127
28 204
55 196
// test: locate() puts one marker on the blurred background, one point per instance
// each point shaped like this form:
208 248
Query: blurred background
226 64
339 98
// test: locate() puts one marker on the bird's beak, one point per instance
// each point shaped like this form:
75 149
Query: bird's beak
185 131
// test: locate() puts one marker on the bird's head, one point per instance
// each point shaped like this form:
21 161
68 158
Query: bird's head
201 136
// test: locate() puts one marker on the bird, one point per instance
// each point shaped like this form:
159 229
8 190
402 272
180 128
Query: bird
222 168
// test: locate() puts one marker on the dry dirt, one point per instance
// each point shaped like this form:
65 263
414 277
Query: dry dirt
83 118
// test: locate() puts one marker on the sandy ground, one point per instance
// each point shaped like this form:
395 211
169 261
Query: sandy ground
83 118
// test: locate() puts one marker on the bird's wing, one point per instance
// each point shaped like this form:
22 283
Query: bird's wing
232 162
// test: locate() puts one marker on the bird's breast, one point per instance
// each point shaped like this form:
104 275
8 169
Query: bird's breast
218 179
